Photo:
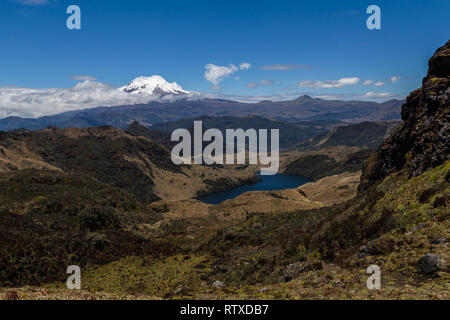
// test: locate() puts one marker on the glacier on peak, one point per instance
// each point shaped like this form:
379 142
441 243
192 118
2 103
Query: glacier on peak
154 85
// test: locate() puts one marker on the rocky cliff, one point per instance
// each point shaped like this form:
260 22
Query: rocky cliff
423 141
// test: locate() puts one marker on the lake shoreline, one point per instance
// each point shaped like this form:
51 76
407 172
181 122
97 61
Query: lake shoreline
266 183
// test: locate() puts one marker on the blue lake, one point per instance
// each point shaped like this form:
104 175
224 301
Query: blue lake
275 182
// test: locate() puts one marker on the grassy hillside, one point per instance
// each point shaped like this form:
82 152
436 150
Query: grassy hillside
312 254
50 220
327 162
133 163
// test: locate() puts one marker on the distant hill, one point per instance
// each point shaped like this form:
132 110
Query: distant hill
364 135
290 133
301 109
160 137
133 163
105 153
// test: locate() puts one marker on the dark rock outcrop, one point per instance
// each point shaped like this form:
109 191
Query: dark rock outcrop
423 141
293 270
430 264
439 240
376 247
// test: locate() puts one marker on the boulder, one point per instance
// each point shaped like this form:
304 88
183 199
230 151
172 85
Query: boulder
293 270
430 263
218 284
181 291
219 269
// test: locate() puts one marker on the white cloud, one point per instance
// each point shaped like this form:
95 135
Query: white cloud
368 82
285 67
368 96
26 102
89 84
379 84
267 82
263 83
244 66
380 95
286 96
216 74
32 2
328 84
82 78
31 103
394 79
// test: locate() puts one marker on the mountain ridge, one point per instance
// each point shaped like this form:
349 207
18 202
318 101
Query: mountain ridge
158 112
133 163
366 134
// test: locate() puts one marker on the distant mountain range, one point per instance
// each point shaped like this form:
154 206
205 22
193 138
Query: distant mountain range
304 108
291 134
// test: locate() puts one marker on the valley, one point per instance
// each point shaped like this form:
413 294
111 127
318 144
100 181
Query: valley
109 199
105 186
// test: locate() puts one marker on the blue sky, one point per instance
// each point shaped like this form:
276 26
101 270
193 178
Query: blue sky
316 41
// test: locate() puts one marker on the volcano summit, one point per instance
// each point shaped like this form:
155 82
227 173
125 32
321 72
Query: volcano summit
154 85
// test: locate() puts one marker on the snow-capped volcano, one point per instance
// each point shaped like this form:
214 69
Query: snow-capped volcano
154 85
